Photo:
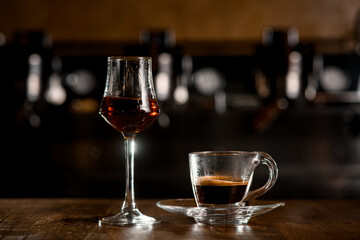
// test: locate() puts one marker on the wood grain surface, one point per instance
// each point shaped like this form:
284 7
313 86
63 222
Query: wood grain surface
78 219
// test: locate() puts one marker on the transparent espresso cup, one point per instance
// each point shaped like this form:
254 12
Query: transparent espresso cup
223 178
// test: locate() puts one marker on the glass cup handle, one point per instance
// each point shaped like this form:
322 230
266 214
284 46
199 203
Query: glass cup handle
266 159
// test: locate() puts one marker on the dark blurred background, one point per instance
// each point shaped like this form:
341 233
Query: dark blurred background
278 76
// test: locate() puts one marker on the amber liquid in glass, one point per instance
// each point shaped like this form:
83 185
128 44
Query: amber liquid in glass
129 115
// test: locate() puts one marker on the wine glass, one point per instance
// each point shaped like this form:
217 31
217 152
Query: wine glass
129 105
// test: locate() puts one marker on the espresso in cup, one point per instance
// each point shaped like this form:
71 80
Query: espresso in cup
223 178
220 190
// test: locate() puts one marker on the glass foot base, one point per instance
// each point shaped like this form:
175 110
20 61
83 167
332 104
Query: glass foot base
128 217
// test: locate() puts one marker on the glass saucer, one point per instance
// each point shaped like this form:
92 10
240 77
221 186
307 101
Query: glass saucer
217 216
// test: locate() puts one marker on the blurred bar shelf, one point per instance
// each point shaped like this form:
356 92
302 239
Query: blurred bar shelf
199 48
341 97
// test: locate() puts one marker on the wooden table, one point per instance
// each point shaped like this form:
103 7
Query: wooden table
78 219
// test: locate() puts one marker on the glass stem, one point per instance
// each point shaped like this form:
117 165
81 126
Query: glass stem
129 202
